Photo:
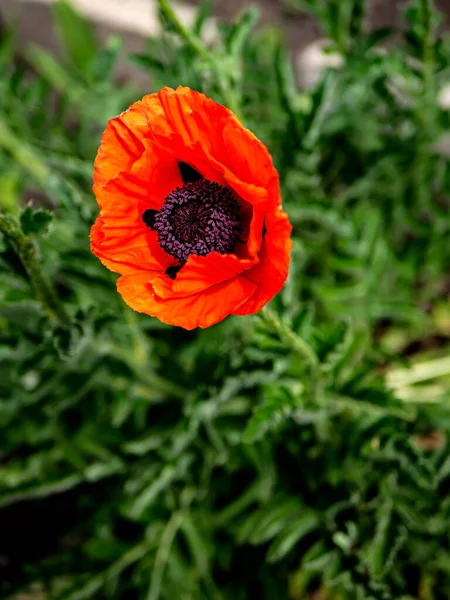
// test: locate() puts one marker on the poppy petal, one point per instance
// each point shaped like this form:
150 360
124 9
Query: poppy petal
122 145
249 160
123 255
144 185
120 237
201 272
271 272
196 310
199 132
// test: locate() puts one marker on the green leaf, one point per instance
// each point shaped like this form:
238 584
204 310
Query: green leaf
240 31
105 60
165 478
203 12
94 472
35 221
90 588
269 520
379 547
53 72
196 543
148 62
289 537
77 36
276 409
287 87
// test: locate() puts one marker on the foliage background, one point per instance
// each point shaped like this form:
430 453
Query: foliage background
297 455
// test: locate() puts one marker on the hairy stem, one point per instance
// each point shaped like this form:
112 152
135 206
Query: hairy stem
229 94
26 250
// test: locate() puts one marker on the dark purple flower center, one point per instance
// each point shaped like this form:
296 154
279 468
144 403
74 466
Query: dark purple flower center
198 218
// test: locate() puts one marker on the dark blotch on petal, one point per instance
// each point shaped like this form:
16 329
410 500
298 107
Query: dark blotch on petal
149 217
188 173
264 230
171 272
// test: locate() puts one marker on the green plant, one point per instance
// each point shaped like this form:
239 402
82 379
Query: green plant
266 457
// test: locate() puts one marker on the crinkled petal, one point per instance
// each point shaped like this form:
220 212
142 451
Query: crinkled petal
196 310
201 272
122 145
211 139
119 236
143 185
271 272
138 250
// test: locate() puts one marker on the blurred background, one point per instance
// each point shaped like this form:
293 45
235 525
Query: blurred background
141 461
134 20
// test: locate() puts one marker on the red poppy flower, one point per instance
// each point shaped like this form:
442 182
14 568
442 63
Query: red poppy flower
190 211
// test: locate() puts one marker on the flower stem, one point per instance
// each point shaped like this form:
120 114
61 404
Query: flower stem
229 94
293 341
26 250
182 31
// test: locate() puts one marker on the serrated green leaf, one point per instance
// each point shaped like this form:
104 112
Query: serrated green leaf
379 546
270 415
291 535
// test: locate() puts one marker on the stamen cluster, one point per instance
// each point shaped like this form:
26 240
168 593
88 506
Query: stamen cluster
198 218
